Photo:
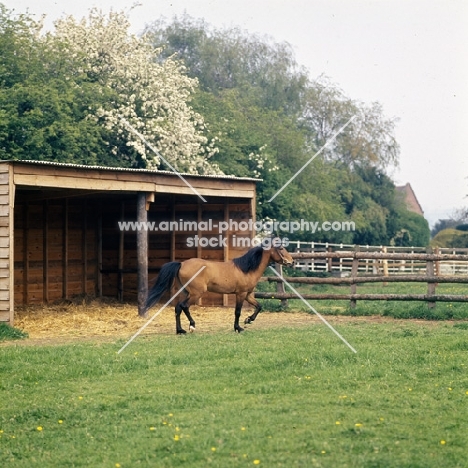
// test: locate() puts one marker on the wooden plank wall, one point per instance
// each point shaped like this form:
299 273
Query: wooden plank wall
55 250
72 246
6 235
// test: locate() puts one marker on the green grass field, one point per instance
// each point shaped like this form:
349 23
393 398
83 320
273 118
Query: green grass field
275 397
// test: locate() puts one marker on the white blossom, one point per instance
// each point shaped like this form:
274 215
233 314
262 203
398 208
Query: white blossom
261 161
151 94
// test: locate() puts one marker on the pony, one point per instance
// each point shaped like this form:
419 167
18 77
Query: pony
238 276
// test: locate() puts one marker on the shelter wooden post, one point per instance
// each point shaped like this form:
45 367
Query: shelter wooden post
199 234
142 251
431 287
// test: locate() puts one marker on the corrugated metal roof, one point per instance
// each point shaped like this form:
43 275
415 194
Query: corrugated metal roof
129 169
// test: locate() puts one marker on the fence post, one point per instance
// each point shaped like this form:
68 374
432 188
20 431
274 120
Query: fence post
437 263
280 285
330 261
385 265
354 273
312 264
431 287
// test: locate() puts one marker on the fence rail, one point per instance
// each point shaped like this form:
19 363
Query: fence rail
370 279
372 265
433 275
368 297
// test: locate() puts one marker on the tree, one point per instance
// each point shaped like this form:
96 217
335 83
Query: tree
459 216
270 119
413 229
43 116
151 95
452 238
46 121
64 96
253 142
234 59
368 137
18 56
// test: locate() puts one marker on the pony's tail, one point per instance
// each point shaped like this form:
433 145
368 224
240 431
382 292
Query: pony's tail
164 282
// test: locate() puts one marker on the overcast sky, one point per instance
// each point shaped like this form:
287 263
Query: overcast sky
409 55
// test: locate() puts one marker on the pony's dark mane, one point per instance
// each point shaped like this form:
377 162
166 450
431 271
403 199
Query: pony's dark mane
250 261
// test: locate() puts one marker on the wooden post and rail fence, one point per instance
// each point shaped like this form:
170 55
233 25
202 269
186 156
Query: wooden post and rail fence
432 277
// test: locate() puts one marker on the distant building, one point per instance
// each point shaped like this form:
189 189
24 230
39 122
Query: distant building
408 196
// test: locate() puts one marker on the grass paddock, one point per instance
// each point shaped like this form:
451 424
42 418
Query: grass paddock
286 395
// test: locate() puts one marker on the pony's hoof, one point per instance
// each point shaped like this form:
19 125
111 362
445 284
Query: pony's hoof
181 332
238 329
192 329
247 321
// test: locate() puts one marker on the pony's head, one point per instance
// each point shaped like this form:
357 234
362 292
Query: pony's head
278 253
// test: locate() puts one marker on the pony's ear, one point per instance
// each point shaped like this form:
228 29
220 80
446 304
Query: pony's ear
275 241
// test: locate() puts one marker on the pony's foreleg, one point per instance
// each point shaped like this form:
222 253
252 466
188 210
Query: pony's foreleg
237 313
178 311
251 300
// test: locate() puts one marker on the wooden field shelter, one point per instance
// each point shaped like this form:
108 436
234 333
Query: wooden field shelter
60 235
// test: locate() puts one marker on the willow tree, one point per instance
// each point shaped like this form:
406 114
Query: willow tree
353 132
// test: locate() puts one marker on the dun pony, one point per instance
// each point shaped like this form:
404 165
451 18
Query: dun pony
238 276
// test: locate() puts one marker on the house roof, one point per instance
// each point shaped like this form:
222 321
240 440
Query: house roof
409 197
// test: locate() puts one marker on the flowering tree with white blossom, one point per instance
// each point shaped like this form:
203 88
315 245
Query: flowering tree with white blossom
133 86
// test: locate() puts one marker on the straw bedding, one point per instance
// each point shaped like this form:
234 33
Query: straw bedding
88 318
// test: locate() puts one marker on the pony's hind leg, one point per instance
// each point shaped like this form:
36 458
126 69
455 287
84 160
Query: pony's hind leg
191 296
251 300
184 306
186 309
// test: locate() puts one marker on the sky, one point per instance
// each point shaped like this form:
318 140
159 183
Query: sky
409 55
